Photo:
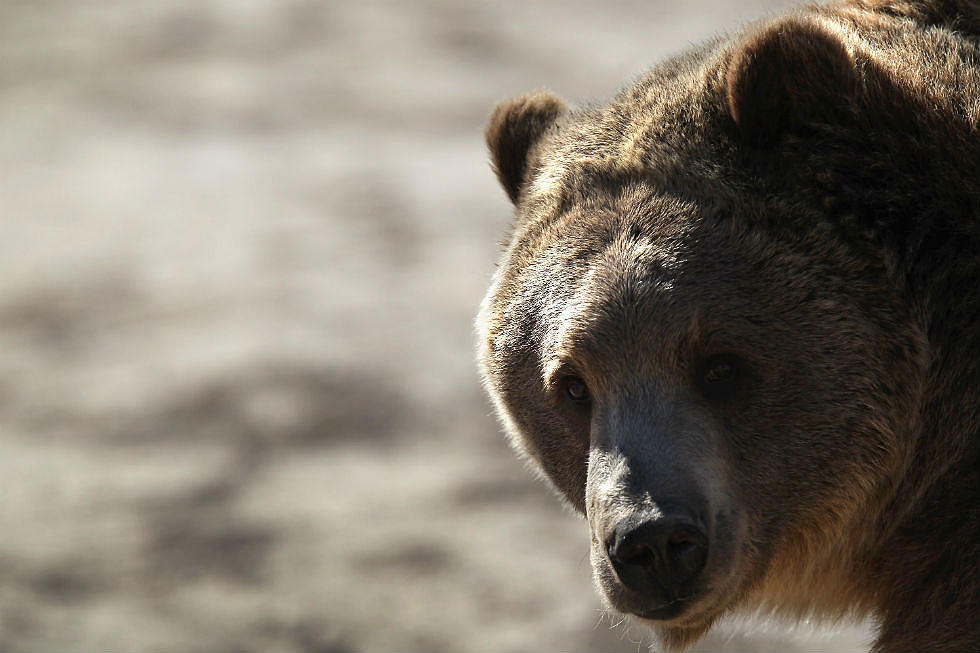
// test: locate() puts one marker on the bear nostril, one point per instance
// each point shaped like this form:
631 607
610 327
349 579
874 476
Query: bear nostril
680 548
639 556
684 542
687 553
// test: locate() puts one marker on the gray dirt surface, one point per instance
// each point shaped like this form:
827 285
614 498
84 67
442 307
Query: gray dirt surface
243 245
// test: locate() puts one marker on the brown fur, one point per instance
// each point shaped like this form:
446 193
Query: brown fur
805 197
512 132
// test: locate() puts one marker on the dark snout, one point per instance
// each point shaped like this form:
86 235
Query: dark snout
658 556
655 501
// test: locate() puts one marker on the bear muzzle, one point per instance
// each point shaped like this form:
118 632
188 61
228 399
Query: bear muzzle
654 511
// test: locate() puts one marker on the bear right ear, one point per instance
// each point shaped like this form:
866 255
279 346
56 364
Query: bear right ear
514 128
792 73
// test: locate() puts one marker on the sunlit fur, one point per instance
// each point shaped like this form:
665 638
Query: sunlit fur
805 195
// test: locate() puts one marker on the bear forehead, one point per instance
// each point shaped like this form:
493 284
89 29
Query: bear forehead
636 277
610 282
624 304
669 127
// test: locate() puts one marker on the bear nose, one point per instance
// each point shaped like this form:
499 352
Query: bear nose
658 557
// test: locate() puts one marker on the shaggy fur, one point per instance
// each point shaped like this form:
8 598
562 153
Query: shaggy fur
803 198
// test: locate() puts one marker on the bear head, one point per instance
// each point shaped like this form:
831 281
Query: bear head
699 333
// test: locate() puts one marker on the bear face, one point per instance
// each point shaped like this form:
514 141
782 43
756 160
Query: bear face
654 359
710 331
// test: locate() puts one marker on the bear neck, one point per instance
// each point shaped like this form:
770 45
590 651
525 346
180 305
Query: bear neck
937 506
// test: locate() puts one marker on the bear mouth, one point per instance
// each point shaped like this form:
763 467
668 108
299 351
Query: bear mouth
682 621
668 612
679 609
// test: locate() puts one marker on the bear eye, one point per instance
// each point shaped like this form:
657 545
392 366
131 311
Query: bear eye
576 390
719 377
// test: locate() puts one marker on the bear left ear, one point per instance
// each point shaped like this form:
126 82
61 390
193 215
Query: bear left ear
792 73
514 128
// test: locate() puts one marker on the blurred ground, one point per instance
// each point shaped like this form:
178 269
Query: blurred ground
243 245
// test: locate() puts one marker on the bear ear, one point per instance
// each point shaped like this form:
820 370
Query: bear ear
790 74
514 128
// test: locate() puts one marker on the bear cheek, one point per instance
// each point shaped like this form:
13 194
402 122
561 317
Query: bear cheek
557 450
556 446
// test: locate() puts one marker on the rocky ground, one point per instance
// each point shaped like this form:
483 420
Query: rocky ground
243 245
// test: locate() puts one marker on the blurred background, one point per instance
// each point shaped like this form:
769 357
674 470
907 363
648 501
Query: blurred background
243 245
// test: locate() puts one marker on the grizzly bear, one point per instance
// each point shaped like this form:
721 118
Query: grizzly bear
737 324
